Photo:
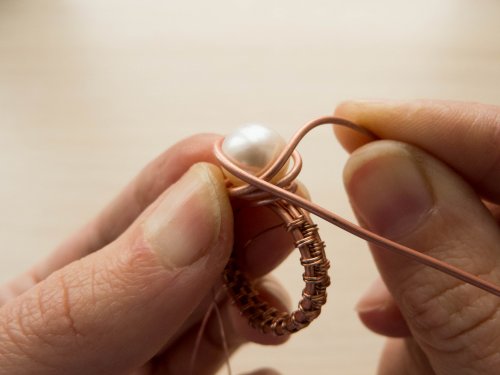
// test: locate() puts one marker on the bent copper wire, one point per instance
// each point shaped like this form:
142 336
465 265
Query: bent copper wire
294 211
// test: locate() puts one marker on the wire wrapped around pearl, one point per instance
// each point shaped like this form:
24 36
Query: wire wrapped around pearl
256 149
259 188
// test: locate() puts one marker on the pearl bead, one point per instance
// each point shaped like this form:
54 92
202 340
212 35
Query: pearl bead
254 148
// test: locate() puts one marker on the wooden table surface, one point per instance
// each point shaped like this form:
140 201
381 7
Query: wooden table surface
90 91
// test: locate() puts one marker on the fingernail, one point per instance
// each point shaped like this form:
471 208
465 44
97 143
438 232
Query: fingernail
275 291
388 189
187 221
357 110
375 298
376 102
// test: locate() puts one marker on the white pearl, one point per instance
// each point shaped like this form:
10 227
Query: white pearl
254 148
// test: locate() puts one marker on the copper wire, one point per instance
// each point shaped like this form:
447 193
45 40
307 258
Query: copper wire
203 326
294 211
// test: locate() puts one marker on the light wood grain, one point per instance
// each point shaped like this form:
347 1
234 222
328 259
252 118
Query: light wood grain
90 91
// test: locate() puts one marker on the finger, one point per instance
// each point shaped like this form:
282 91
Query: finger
112 311
464 135
261 243
129 204
261 239
259 251
271 291
185 357
121 212
144 189
380 313
403 356
407 195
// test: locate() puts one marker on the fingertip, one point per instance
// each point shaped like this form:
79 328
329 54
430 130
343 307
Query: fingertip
346 109
302 190
379 313
217 179
362 110
259 229
271 291
374 298
220 193
353 111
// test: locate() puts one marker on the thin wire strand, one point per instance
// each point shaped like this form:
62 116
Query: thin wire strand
199 337
203 326
261 183
222 335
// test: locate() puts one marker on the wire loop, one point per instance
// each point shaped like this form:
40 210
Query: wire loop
295 213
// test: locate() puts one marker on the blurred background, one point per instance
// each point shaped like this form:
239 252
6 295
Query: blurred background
91 91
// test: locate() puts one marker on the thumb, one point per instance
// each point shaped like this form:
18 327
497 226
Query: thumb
408 196
111 311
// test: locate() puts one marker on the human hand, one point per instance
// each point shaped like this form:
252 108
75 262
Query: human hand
434 186
127 293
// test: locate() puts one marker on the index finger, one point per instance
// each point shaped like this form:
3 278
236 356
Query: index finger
464 135
155 178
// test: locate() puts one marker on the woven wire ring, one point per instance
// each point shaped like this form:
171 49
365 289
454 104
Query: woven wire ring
259 313
294 212
297 221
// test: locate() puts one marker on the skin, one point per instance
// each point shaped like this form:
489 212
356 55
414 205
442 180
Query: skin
119 297
434 323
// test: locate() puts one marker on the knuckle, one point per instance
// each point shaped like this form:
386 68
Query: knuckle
450 319
42 320
16 348
54 319
479 336
424 310
63 314
66 312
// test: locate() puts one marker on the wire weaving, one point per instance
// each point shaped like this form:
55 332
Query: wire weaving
267 318
295 212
